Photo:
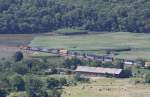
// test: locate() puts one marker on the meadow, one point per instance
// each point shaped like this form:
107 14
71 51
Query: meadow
96 43
107 87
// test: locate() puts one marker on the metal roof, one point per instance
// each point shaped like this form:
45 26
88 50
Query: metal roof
98 70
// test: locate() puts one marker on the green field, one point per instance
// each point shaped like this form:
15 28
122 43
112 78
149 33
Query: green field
70 31
140 43
108 87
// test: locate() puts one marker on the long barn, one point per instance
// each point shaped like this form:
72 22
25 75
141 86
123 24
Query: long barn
98 71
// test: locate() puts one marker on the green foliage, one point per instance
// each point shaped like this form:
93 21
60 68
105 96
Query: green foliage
18 56
140 61
70 31
108 65
126 73
147 78
18 94
35 88
63 81
20 68
3 93
35 65
54 93
52 82
72 63
79 78
93 63
17 83
118 64
21 79
25 16
56 82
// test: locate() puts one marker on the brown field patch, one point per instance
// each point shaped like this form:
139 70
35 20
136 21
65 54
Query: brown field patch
9 43
7 51
15 39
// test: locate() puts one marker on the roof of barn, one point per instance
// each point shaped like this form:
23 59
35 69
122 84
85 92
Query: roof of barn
98 70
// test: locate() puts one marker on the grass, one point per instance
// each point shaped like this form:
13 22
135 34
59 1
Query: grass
107 87
70 31
42 54
140 43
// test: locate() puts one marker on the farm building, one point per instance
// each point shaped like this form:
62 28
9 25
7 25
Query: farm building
63 51
108 59
147 64
54 51
98 71
24 47
128 62
64 71
48 71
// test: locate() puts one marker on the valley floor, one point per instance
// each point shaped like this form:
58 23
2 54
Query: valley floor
96 43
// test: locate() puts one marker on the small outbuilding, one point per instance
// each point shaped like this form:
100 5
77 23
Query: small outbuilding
147 64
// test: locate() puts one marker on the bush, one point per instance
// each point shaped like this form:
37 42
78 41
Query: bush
18 94
140 62
52 83
54 93
72 63
18 56
70 31
126 73
78 77
34 87
20 68
17 83
63 81
3 93
147 78
108 65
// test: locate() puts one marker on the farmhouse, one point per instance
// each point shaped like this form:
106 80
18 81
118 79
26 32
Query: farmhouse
98 71
128 62
24 47
147 64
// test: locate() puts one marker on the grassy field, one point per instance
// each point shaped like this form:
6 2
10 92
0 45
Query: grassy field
108 87
70 31
140 43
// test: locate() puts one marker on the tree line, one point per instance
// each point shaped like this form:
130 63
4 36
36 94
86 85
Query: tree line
23 77
28 16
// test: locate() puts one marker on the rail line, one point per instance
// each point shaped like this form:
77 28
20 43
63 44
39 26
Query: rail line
83 56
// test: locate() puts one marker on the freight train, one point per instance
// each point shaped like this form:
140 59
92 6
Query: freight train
46 50
65 52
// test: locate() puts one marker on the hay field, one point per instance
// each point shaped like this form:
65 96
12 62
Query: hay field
140 43
108 87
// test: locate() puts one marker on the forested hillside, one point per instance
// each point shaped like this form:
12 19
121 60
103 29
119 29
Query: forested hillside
28 16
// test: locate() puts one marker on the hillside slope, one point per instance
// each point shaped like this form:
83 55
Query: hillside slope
28 16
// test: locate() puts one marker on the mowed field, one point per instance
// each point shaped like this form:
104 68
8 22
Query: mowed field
108 87
139 43
9 43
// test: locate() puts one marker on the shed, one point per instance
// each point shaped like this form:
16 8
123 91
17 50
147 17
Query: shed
147 64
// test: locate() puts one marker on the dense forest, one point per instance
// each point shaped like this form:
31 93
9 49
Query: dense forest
28 16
